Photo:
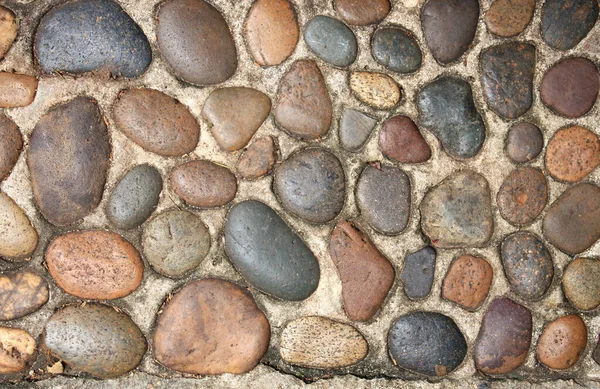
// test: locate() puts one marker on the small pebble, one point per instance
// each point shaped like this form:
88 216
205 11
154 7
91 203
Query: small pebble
524 142
17 350
331 40
18 238
378 90
258 159
17 90
355 129
8 30
468 281
562 343
572 154
418 272
566 22
508 18
581 283
396 49
11 144
23 292
523 195
400 140
203 184
362 12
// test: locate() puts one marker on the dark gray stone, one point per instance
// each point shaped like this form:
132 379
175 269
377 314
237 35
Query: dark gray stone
268 253
331 40
417 274
396 49
427 342
448 111
355 128
566 22
86 35
524 142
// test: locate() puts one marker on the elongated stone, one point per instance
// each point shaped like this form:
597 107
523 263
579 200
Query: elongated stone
21 293
11 144
375 89
8 30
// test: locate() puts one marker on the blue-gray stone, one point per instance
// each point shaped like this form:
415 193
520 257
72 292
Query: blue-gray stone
418 272
396 49
331 40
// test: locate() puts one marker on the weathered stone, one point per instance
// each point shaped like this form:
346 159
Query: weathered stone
17 350
468 281
572 154
400 140
355 129
523 195
18 238
562 343
396 49
417 274
375 89
581 283
566 22
362 12
331 40
524 142
11 144
8 30
258 159
17 90
21 293
203 184
507 18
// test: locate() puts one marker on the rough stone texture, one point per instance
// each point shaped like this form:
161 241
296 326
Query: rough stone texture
378 90
417 273
18 238
17 350
564 23
468 281
400 140
17 90
321 343
268 253
156 122
8 30
581 283
355 129
362 12
523 195
203 184
175 242
195 41
258 159
561 344
396 49
21 293
524 142
82 36
572 154
94 338
504 337
209 327
331 40
11 144
507 18
458 211
68 159
95 265
355 256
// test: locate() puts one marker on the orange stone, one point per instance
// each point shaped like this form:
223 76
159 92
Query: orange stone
468 281
562 342
572 154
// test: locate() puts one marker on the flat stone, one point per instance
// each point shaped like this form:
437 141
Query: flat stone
362 12
258 159
175 242
565 23
268 253
211 327
95 265
572 154
427 343
468 282
449 27
331 40
400 140
96 339
562 343
524 142
156 122
378 90
417 274
571 223
383 196
18 238
311 185
17 90
304 107
457 213
135 197
366 274
321 343
68 159
235 114
17 350
523 195
570 87
507 78
196 42
82 36
355 129
22 293
527 264
508 18
447 109
504 337
203 184
581 283
396 49
11 144
8 30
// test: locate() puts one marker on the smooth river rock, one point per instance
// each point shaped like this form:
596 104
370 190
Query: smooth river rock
21 293
258 159
396 49
8 30
17 350
581 283
355 129
17 90
507 18
418 272
468 281
378 90
523 195
566 22
203 184
572 153
562 343
362 12
18 238
401 140
524 142
331 40
11 144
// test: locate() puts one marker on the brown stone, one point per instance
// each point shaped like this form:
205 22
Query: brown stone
523 195
96 265
524 142
362 12
17 349
366 274
304 107
401 141
235 114
572 154
21 293
507 18
375 89
11 144
211 326
258 159
156 122
562 342
18 238
468 281
8 30
17 90
203 184
271 31
581 283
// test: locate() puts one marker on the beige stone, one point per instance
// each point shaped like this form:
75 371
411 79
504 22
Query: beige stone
17 349
18 238
17 90
375 89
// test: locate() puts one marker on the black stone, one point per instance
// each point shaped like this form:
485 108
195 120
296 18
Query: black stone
355 128
396 49
268 254
331 40
417 274
566 22
86 35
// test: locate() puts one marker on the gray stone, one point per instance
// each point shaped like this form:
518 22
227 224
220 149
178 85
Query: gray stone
396 49
355 128
331 40
418 272
524 142
566 22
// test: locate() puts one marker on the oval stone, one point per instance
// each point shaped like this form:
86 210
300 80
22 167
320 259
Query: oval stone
96 339
211 327
581 283
400 140
427 343
23 293
135 197
311 185
175 242
331 40
565 23
11 144
507 18
268 253
82 36
321 343
396 49
18 238
418 272
17 90
523 195
468 281
258 159
355 129
68 159
524 142
362 12
95 265
8 30
195 41
562 343
378 90
203 184
156 122
17 350
572 154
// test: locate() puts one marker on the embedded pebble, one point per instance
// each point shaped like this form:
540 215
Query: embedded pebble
572 154
11 144
203 184
524 142
8 30
22 293
258 159
507 18
400 140
362 12
18 238
17 90
581 283
17 350
355 129
566 22
562 343
331 40
468 281
211 327
523 195
417 274
396 49
375 89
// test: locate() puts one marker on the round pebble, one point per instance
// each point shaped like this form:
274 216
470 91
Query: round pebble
11 144
355 129
400 140
331 40
562 343
17 90
508 18
203 184
8 30
396 49
468 282
581 283
362 12
524 142
17 350
565 23
523 195
572 154
378 90
18 238
258 159
23 293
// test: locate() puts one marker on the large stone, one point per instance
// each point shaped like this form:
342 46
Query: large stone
572 154
468 281
507 18
581 283
258 159
566 22
396 49
21 294
523 195
562 343
8 30
362 12
18 238
17 90
11 144
331 40
400 140
17 350
378 90
203 184
524 142
355 129
418 272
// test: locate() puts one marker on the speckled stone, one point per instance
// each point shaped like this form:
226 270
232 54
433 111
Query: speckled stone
21 293
11 144
523 195
581 283
17 90
468 281
418 272
268 253
203 184
396 49
400 140
331 40
355 129
18 238
362 12
426 342
210 327
17 350
96 339
507 18
375 89
8 30
82 36
572 154
562 343
258 159
524 142
566 22
321 343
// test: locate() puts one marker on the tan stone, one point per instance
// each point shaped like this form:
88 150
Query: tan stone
8 30
21 293
11 144
18 238
17 349
375 89
17 90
